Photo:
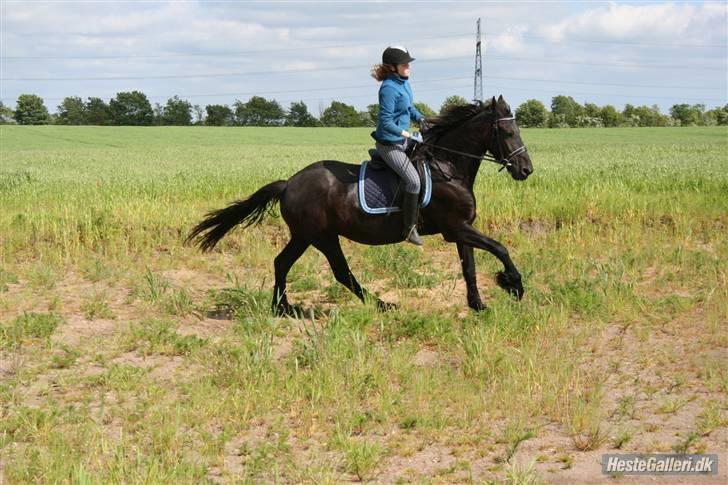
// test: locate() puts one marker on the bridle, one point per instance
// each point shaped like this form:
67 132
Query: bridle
504 161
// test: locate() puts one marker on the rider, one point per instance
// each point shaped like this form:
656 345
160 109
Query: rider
396 110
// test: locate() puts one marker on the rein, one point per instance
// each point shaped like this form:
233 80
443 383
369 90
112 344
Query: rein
505 162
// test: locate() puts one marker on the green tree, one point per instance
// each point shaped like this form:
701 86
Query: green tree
423 108
717 116
340 114
298 115
131 108
72 111
97 112
219 115
531 114
177 112
157 114
6 114
589 117
366 120
722 116
687 115
650 116
199 114
258 111
564 111
630 116
373 110
30 110
591 109
451 101
610 116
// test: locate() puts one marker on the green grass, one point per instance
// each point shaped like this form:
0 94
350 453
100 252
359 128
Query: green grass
29 327
619 234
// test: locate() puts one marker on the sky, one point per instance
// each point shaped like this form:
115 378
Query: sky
212 52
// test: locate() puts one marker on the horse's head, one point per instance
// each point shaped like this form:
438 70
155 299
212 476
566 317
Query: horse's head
505 141
471 130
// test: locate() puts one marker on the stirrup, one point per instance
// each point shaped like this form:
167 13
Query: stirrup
413 236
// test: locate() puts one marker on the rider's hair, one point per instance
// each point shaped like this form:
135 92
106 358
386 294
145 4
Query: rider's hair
381 71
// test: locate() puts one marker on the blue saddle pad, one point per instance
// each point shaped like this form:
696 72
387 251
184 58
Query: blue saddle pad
380 191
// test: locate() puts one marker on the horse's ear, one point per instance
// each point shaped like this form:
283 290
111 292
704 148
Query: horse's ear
492 102
504 106
497 103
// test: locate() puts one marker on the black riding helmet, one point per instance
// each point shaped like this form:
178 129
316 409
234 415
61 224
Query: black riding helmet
396 55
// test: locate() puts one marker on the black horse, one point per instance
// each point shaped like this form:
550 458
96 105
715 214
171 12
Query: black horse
319 203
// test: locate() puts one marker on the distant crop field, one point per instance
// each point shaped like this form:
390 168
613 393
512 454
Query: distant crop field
126 356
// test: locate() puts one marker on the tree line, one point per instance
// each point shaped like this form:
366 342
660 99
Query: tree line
568 113
132 108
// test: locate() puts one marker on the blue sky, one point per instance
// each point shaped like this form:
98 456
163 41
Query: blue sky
216 52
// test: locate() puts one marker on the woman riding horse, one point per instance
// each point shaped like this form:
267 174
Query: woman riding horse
320 204
396 110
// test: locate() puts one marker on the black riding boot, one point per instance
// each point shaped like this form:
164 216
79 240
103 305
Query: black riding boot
410 205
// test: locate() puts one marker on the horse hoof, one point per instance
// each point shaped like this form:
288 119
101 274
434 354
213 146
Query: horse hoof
288 310
512 284
385 307
477 306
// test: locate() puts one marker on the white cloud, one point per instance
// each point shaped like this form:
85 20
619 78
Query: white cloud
445 48
296 65
181 35
349 54
509 42
654 22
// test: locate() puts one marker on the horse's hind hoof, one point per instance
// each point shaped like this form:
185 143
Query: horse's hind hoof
477 306
385 307
511 283
288 310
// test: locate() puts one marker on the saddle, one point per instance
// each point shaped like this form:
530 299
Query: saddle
381 189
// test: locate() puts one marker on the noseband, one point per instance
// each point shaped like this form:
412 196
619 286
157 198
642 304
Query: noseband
505 162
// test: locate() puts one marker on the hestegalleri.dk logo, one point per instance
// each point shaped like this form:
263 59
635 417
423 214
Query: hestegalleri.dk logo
659 464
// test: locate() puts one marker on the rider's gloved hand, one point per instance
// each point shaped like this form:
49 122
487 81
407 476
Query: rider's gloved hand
416 136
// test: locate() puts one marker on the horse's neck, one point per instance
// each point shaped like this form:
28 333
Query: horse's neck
465 167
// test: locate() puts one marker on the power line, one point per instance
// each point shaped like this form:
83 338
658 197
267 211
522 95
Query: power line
680 98
287 91
344 96
284 49
594 41
226 54
427 61
605 84
228 74
640 65
607 64
506 88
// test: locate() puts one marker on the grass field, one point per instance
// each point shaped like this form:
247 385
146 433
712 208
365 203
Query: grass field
127 357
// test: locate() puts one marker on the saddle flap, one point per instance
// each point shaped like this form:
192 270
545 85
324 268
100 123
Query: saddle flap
376 160
380 191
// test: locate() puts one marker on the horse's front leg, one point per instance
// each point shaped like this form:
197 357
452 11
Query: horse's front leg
509 279
467 260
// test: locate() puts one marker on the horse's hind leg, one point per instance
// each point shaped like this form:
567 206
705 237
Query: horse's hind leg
283 262
331 248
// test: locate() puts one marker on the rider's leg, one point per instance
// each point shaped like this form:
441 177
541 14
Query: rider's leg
398 161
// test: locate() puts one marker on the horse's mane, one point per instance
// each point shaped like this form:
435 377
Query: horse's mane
457 114
449 118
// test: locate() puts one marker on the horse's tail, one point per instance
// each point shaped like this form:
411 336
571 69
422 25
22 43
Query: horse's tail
250 211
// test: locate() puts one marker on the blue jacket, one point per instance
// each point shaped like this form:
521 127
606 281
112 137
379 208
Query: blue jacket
395 109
